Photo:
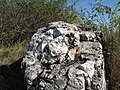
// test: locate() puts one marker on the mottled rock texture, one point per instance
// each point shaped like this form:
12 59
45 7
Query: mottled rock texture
61 56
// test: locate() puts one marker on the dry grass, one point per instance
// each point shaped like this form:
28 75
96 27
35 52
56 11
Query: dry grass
10 54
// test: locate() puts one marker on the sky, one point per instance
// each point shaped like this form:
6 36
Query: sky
86 4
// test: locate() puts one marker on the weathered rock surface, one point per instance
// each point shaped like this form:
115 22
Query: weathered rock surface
63 57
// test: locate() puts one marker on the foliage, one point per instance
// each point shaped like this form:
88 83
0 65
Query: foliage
19 19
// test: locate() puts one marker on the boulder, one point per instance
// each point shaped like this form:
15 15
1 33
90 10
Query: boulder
62 56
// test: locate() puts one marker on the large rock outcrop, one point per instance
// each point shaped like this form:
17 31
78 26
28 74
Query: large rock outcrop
61 56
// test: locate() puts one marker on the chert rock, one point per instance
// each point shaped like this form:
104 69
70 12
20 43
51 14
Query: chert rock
62 57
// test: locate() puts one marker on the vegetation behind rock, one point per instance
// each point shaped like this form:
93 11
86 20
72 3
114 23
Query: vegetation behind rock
19 20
